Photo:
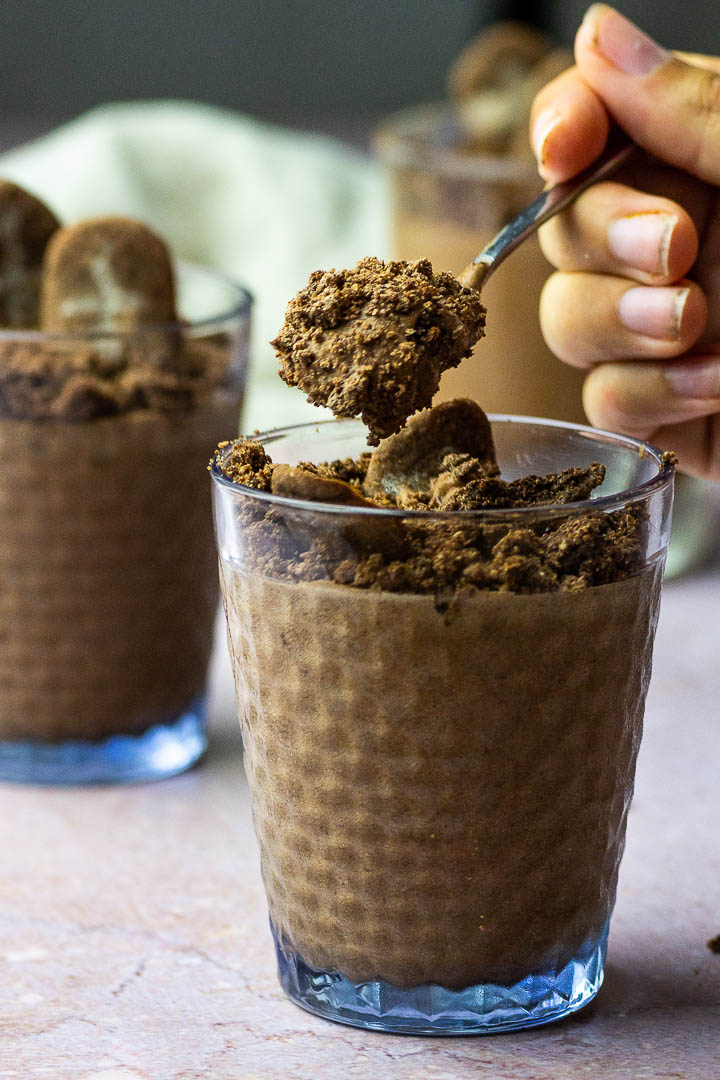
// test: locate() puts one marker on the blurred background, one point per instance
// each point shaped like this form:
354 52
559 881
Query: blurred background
295 61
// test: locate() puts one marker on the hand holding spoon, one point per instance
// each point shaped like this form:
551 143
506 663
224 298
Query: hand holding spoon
552 201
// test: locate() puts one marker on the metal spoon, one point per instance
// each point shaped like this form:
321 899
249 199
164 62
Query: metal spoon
551 202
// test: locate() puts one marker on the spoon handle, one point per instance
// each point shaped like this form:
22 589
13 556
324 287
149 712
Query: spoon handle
554 199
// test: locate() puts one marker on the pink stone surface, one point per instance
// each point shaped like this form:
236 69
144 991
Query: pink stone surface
134 940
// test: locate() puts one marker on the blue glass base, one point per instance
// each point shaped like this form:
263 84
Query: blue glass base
432 1010
161 751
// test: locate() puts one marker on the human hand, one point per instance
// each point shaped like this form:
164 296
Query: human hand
636 296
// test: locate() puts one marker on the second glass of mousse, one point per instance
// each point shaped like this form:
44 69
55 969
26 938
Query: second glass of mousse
119 371
441 651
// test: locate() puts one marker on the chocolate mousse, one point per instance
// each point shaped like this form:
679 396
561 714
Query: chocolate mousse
441 711
373 341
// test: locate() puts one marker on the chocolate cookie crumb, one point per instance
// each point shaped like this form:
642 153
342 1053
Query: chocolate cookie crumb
82 398
569 486
246 463
77 380
102 293
373 341
439 554
108 274
351 470
714 945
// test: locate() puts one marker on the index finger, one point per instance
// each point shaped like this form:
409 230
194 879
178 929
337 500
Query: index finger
568 126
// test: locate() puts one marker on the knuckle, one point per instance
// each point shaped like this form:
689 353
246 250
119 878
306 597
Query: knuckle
563 241
702 96
552 293
553 321
564 302
706 98
609 400
548 239
603 389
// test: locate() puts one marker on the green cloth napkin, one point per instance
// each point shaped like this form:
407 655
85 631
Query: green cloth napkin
265 205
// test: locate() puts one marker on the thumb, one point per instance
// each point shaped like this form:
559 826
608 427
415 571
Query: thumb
668 107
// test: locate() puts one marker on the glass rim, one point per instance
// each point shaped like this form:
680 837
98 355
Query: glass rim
393 142
636 493
239 309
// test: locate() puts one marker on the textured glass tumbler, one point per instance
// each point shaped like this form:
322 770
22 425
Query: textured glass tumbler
109 586
440 785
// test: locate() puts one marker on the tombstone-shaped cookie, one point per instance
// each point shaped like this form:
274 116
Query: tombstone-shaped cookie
107 275
494 80
26 226
439 449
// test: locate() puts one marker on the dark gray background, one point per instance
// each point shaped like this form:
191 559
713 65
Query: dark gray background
280 59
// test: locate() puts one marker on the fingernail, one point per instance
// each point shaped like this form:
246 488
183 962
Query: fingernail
643 240
621 42
655 312
696 379
546 122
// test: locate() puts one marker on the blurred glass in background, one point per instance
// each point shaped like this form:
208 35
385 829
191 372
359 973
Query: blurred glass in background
282 59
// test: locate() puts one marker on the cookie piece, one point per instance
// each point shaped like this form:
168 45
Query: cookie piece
494 81
373 341
26 226
363 532
439 450
245 462
109 275
499 56
298 483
